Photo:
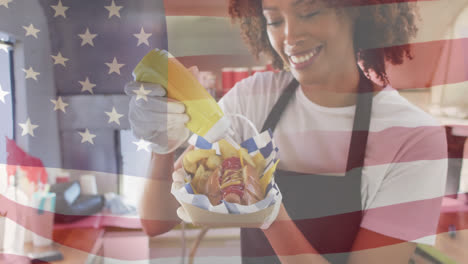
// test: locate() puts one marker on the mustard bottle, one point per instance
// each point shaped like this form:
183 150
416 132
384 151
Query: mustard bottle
206 117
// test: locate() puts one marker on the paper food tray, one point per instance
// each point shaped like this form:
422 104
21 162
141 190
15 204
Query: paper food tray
202 212
203 217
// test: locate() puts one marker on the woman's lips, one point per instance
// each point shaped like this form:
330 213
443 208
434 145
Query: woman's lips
305 59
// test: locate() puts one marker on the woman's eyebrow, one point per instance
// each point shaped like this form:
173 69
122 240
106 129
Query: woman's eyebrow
298 2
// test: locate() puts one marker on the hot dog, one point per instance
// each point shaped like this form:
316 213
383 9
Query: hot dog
231 180
252 191
240 184
234 179
212 189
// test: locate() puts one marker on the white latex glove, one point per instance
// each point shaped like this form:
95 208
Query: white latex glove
157 119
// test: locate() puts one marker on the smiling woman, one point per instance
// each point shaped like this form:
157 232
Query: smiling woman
344 188
362 170
381 32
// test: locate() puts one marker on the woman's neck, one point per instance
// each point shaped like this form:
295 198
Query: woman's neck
340 90
330 99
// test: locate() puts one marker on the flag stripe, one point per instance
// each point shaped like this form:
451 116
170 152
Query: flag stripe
219 8
387 143
21 211
441 61
435 63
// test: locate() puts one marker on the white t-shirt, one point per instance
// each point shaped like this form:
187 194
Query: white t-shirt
406 157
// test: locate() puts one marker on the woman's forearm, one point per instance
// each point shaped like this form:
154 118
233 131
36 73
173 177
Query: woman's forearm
289 243
158 207
292 247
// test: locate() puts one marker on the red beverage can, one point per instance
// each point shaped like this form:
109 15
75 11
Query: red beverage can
227 79
61 179
240 74
258 69
270 68
208 80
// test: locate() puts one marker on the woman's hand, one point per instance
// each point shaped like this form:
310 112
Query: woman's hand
178 181
155 118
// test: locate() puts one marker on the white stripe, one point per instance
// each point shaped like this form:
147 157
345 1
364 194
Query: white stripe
438 18
217 36
203 35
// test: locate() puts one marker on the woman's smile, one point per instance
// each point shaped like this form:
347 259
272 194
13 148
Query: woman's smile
301 60
314 41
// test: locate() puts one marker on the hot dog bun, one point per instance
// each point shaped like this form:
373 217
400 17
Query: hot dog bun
232 198
212 188
252 189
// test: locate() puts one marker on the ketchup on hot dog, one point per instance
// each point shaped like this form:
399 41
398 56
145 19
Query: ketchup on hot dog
231 175
232 163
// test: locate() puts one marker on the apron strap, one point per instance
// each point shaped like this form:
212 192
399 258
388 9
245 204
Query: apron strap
278 109
361 124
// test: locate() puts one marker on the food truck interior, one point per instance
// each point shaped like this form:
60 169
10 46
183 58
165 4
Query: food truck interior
65 132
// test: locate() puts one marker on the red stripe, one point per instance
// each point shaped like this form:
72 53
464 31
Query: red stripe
390 146
220 8
13 258
400 214
434 63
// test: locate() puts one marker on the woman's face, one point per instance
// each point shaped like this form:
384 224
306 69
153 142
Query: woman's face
314 41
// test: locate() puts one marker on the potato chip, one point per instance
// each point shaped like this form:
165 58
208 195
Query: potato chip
213 162
246 157
266 178
196 155
260 162
189 166
199 179
227 150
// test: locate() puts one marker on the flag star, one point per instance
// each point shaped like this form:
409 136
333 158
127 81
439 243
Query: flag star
87 137
59 59
31 30
114 66
142 145
142 37
113 9
4 47
3 94
60 9
28 128
5 3
87 38
114 116
87 86
59 104
142 93
30 73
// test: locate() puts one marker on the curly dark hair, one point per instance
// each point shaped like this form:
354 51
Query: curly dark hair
382 31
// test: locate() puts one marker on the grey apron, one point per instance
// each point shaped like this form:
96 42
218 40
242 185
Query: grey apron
326 209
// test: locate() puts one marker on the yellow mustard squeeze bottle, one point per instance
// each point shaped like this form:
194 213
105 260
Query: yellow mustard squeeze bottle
206 117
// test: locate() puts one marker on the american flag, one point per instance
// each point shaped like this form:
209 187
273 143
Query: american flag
86 51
